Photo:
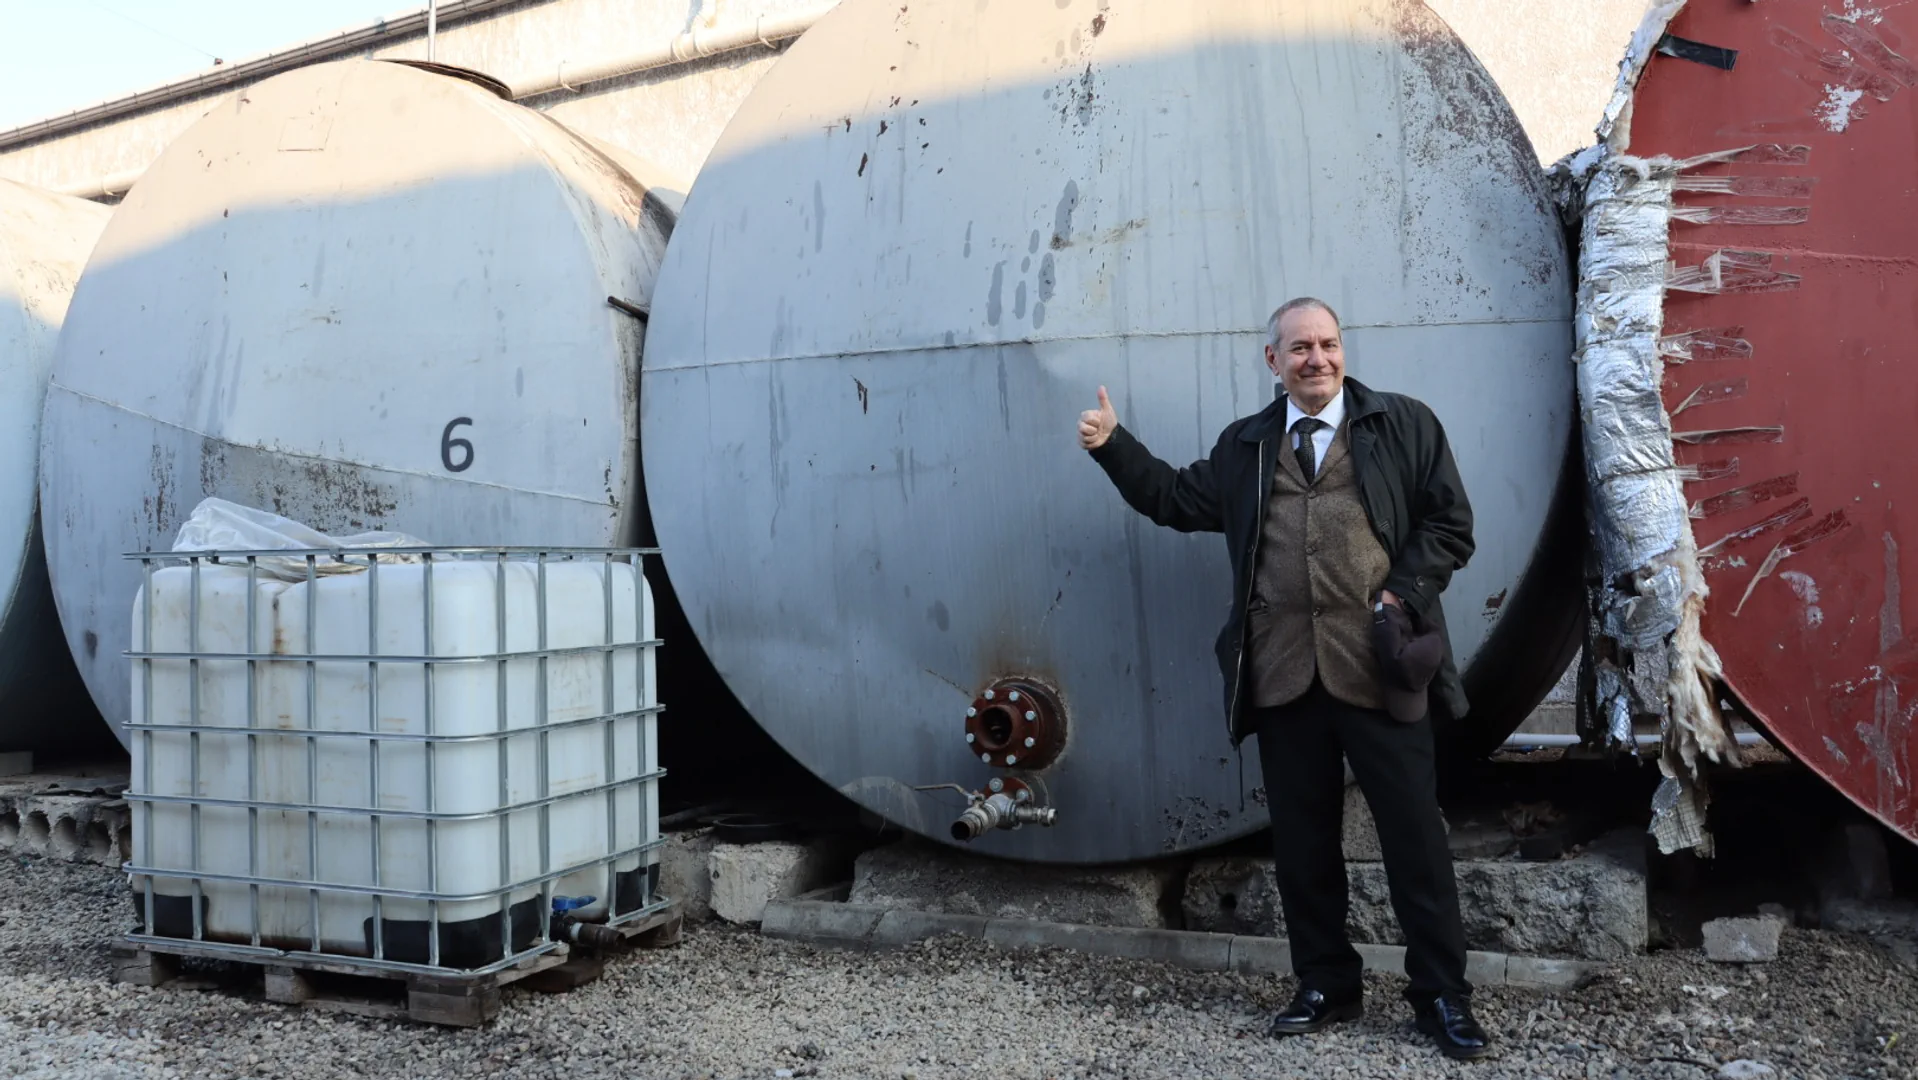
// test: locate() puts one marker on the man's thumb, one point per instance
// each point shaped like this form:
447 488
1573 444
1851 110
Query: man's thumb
1104 401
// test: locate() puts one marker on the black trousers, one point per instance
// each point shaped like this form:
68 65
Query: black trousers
1300 745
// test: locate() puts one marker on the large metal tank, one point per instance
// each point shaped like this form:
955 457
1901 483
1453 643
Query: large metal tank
44 240
929 236
364 295
1791 306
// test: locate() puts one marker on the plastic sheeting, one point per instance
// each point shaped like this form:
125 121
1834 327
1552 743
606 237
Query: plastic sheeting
229 528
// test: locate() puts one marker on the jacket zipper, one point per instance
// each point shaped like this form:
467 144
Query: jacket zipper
1245 612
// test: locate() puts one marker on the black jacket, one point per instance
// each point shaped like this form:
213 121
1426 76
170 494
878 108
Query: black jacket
1407 480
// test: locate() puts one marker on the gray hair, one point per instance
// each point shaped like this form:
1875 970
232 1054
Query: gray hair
1294 304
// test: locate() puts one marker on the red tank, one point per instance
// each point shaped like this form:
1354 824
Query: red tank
1795 277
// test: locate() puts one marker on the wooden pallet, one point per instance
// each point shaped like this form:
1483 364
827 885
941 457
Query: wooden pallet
338 984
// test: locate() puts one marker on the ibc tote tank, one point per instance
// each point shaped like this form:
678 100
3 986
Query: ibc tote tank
44 240
363 295
926 239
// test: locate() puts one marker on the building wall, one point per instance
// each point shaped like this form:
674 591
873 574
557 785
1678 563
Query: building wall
1556 60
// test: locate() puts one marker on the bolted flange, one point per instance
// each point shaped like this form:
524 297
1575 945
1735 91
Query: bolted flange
1016 722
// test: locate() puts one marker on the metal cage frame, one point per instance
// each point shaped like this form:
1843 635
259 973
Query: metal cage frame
141 790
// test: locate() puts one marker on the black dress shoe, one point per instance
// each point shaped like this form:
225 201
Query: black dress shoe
1311 1011
1448 1020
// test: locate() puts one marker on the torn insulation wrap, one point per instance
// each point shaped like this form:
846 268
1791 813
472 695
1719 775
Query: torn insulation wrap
1652 593
1615 126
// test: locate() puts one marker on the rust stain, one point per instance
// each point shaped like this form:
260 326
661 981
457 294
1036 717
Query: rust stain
864 395
1098 24
863 159
1494 602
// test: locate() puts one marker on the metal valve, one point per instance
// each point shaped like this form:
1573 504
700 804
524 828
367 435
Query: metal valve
1007 804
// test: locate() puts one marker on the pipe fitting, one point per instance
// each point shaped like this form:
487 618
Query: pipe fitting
1008 807
1016 722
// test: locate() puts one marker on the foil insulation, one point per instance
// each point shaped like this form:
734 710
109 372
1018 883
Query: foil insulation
1651 593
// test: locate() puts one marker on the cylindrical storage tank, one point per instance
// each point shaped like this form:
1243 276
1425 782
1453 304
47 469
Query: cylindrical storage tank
929 236
1788 323
363 295
44 241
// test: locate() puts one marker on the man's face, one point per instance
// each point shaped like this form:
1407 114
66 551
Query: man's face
1309 359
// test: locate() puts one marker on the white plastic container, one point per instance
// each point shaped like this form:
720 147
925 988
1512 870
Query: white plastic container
449 801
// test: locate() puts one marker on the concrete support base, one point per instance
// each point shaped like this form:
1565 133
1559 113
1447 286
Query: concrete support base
685 872
746 877
1591 906
865 926
928 878
76 819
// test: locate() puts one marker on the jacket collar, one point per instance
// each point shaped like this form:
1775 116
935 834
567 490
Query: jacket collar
1360 402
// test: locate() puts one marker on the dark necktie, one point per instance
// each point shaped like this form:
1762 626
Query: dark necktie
1304 429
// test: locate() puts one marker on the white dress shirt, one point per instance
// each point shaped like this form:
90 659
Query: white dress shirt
1329 417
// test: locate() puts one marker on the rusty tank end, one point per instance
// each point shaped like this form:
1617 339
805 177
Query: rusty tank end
1790 322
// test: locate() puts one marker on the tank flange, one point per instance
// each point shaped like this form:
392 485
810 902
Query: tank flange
1017 722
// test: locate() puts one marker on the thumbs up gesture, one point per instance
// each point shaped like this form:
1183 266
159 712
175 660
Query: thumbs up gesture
1095 425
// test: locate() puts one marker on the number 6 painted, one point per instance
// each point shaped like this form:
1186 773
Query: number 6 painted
448 442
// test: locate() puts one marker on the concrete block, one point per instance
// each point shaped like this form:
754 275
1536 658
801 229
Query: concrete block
1481 968
1879 918
1742 941
923 877
69 827
1202 952
685 872
746 877
1589 907
1359 834
1485 968
804 920
1389 959
1542 973
1261 956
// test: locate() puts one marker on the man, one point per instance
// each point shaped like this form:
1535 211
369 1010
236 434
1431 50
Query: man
1344 518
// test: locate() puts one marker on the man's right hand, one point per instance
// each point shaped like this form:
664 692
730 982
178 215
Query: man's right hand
1095 425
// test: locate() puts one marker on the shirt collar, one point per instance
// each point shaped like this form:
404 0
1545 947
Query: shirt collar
1332 415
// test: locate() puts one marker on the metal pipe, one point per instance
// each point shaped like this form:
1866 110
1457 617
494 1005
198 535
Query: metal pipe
686 48
1745 738
432 27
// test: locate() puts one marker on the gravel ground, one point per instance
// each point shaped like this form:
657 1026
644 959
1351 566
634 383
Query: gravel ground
727 1003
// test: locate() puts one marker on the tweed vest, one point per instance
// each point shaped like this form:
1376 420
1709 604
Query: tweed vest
1319 568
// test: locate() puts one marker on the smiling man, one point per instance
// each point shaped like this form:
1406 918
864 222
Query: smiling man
1344 519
